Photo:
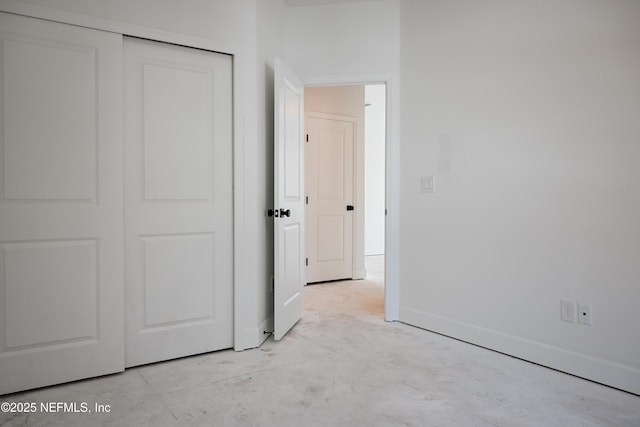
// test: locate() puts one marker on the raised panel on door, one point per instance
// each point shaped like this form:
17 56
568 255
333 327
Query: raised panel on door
178 201
329 159
61 266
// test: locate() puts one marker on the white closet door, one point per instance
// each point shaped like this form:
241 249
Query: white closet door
178 201
61 264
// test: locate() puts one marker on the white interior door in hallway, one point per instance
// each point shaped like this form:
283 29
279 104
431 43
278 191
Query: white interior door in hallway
288 212
178 201
61 261
330 201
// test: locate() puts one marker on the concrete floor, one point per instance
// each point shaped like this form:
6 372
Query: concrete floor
341 365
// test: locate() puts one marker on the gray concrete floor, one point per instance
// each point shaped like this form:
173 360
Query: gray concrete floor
341 365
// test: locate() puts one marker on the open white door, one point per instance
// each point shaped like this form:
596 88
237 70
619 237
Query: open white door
289 276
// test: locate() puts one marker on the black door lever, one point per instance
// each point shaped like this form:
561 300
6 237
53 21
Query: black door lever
349 207
278 213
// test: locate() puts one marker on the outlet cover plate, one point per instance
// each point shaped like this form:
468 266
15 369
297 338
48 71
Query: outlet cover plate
585 314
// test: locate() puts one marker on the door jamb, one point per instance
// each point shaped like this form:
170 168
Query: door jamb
392 171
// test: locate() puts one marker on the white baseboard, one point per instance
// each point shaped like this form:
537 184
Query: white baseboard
603 371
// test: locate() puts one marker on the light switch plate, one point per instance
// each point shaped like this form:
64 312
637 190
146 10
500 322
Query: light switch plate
568 311
428 184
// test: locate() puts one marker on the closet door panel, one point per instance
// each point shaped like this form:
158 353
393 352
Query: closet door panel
178 201
61 226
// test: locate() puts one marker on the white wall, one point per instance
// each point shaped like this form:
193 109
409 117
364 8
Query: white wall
527 113
347 100
343 39
374 169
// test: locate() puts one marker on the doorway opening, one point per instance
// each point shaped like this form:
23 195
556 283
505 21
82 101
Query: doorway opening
345 127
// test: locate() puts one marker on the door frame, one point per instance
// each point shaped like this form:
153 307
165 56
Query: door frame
357 247
392 178
244 331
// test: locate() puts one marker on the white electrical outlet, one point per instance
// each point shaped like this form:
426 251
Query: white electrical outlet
568 311
585 314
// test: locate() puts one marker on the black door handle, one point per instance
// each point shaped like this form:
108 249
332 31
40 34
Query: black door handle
284 212
349 207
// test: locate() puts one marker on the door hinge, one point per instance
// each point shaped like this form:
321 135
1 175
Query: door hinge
306 261
306 199
307 137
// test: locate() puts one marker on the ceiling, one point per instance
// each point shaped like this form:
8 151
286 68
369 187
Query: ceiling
296 3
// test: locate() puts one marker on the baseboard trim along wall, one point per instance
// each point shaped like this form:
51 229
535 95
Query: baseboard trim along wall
591 368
